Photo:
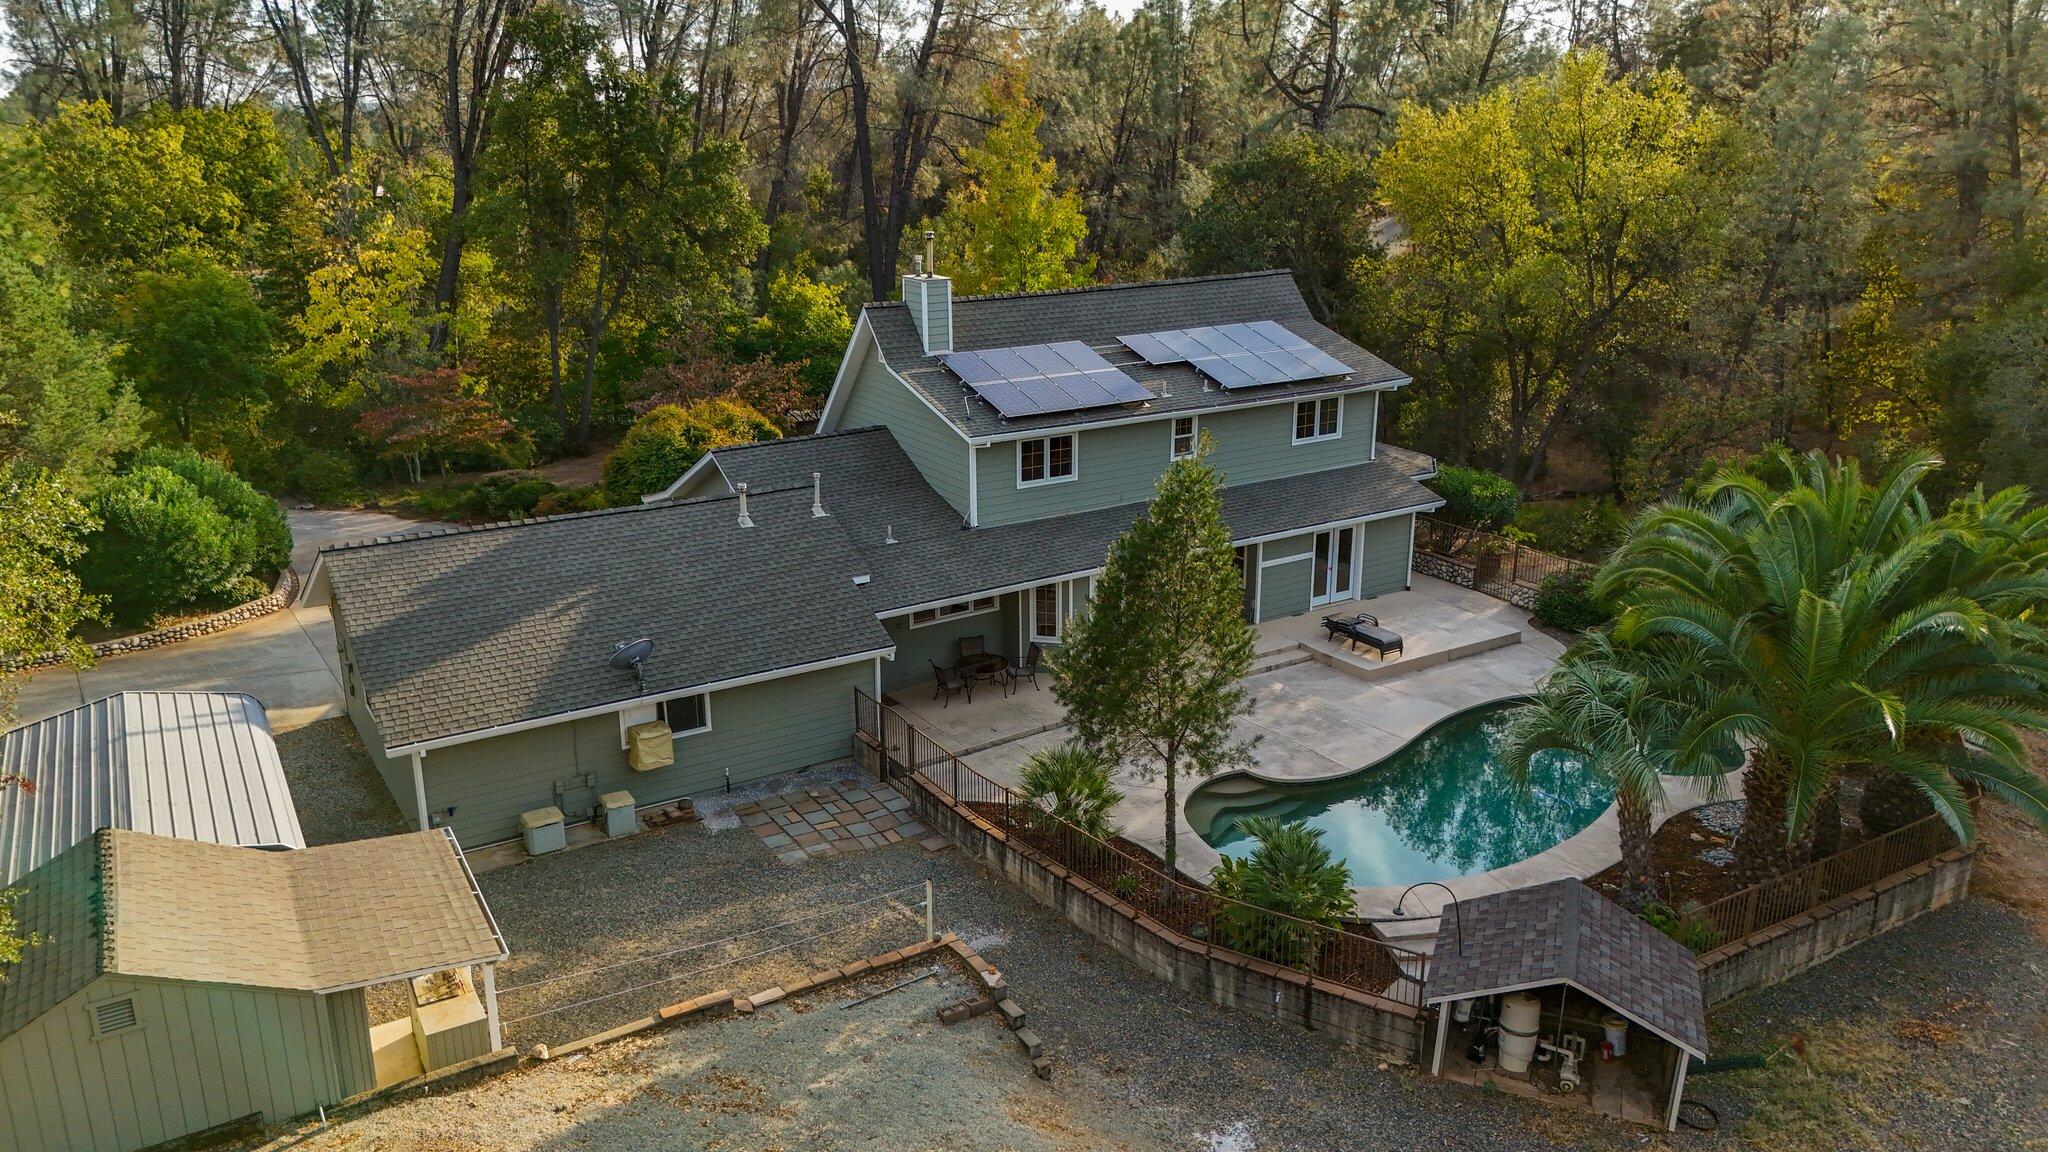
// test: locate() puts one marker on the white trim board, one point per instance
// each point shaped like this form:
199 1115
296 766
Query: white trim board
1553 982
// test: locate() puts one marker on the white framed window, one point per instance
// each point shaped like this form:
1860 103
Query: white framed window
958 608
1046 616
1046 460
686 715
111 1017
1185 437
1319 420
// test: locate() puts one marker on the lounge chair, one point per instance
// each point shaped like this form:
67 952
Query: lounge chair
1365 629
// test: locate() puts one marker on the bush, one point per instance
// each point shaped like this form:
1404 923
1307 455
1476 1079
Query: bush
1475 497
563 500
161 545
1566 601
322 477
269 537
1696 934
1292 873
663 444
513 496
1584 529
1072 784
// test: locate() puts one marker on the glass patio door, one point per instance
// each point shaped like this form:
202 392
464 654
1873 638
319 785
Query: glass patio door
1335 576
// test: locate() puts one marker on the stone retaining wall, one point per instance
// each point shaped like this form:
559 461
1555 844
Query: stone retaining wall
1390 1030
279 597
1460 573
1783 951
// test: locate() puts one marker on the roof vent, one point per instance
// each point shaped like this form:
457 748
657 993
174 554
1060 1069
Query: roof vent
746 521
889 534
818 495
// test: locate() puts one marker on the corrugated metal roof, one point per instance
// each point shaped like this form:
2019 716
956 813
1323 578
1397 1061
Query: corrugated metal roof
194 765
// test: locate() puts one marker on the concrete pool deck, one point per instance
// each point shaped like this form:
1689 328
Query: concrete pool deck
1319 714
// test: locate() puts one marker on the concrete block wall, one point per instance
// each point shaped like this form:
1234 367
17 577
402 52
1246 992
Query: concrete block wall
1389 1030
1783 951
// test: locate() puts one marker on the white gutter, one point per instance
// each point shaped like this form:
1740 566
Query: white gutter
421 747
1282 535
1152 414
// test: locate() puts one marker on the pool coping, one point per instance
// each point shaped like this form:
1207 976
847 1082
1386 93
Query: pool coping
1589 851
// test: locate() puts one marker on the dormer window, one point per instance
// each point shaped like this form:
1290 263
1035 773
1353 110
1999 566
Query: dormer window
1045 460
1319 420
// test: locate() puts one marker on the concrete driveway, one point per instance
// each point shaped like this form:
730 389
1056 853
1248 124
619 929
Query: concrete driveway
286 660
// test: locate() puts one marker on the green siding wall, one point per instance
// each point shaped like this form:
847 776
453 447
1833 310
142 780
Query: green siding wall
711 482
878 397
757 730
1121 464
1383 565
1283 588
396 773
204 1054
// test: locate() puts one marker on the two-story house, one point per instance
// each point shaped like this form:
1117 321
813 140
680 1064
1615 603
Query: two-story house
973 463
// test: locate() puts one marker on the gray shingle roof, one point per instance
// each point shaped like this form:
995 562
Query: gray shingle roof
874 490
1564 932
316 919
464 630
197 765
1100 314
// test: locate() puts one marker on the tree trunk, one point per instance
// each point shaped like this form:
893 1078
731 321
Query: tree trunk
1823 833
1761 848
1172 796
1890 802
1638 872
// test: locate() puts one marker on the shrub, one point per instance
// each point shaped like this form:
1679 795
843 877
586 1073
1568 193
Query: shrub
1566 601
1292 873
1072 784
269 537
1475 497
161 545
663 444
1584 529
322 477
563 500
512 496
1691 931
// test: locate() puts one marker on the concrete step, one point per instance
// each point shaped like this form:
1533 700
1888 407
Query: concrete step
1274 659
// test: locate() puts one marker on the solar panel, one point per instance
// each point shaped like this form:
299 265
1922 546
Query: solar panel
1239 355
1040 378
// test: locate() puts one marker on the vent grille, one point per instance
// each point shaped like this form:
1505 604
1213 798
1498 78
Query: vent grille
113 1016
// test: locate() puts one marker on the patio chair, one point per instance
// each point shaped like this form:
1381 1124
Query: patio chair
946 681
1365 629
1025 669
972 646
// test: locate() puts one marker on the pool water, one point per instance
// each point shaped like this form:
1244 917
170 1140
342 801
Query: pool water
1441 806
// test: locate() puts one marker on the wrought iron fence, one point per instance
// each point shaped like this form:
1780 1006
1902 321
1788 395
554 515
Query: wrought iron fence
1350 956
1497 562
1798 892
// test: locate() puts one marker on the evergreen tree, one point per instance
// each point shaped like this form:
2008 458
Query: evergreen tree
1150 674
1007 227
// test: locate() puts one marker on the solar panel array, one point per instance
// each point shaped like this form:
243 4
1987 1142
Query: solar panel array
1239 355
1040 378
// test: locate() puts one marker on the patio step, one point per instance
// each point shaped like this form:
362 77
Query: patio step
1278 658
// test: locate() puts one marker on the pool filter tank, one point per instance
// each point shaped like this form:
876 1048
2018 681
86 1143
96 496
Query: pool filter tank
1520 1013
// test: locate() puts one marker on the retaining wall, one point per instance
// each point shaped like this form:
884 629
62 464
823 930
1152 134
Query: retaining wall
1458 572
279 597
1389 1029
1783 951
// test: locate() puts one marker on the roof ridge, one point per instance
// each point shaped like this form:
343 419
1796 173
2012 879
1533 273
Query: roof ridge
808 437
102 899
1083 289
497 525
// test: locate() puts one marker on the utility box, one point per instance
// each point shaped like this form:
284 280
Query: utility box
650 746
618 813
544 831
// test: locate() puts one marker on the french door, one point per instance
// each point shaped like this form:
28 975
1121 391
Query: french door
1335 574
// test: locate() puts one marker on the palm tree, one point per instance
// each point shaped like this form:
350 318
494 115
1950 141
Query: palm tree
1072 784
1847 630
1291 873
1623 711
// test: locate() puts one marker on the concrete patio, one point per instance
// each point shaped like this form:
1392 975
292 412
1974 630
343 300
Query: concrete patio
1321 711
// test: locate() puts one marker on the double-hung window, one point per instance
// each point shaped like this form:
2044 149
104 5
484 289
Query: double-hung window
1045 613
1183 437
1319 419
687 714
1045 460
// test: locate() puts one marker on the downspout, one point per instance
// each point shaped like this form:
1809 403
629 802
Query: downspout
419 789
973 487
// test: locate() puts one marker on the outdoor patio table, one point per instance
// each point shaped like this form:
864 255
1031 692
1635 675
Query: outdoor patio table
985 667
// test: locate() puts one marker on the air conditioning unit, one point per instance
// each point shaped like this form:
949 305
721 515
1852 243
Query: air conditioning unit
650 746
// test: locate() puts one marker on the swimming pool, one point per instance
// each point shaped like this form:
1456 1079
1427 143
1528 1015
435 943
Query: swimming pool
1441 806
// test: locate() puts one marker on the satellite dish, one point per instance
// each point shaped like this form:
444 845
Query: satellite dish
629 654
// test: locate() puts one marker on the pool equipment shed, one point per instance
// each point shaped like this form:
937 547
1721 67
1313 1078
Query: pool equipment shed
176 987
1583 959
